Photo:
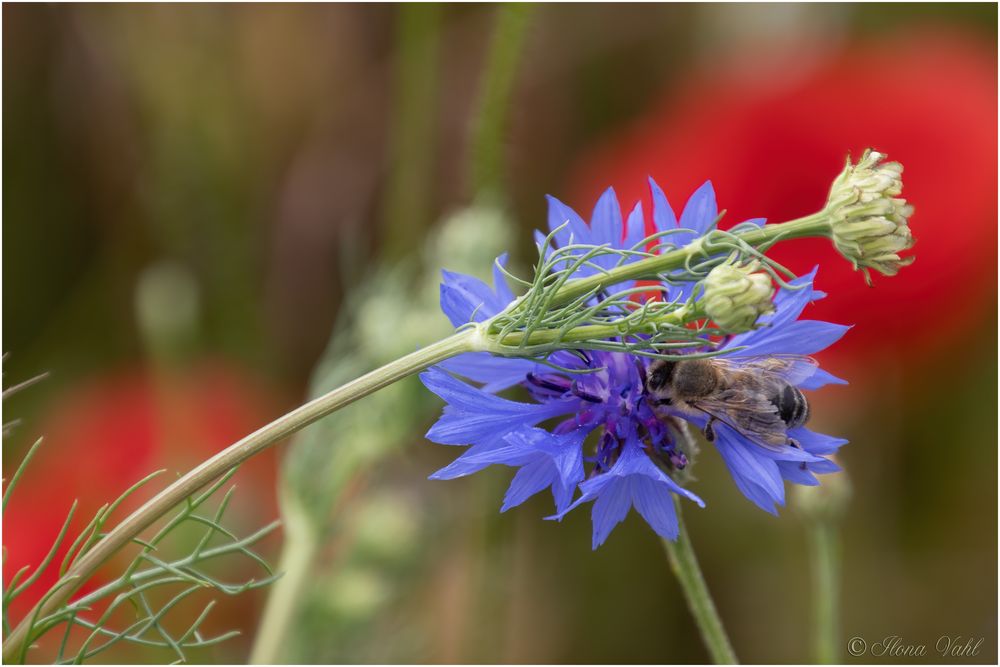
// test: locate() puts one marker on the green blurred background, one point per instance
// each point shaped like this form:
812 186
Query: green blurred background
196 195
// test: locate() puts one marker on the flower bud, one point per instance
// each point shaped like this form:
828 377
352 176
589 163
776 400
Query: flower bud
868 219
736 296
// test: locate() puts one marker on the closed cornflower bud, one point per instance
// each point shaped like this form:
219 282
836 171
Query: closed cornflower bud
737 295
868 219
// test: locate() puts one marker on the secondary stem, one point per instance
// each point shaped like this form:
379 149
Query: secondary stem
684 563
218 464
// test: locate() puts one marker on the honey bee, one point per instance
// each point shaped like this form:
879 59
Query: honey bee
755 395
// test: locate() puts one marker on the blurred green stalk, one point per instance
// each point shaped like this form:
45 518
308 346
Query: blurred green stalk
412 133
821 508
298 551
685 566
486 156
825 556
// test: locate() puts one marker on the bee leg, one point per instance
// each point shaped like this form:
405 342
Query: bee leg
709 430
794 443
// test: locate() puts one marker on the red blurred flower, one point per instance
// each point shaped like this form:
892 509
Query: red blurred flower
928 100
106 434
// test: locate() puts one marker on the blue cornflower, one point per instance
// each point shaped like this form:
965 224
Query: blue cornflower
607 412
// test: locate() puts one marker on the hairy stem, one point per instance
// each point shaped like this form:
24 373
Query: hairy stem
685 566
218 464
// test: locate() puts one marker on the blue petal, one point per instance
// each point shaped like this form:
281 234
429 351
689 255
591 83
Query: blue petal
613 502
632 480
633 461
801 337
473 414
819 379
789 303
700 211
565 450
635 228
606 223
757 477
492 452
493 372
464 396
560 214
816 443
465 299
536 476
459 427
787 453
824 467
794 472
663 216
655 506
562 494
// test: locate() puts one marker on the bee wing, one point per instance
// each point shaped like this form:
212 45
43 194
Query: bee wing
749 413
791 368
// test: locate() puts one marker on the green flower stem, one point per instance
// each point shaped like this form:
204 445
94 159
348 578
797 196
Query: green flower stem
826 597
214 467
684 563
764 237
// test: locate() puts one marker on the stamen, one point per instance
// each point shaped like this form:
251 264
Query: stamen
548 384
584 395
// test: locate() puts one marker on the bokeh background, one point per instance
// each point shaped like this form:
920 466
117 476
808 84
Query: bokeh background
195 197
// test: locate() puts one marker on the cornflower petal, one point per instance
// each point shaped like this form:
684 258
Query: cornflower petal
756 475
635 228
700 211
663 215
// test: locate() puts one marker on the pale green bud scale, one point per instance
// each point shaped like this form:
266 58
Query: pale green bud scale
737 295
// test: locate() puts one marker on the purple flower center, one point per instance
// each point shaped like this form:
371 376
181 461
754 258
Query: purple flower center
612 399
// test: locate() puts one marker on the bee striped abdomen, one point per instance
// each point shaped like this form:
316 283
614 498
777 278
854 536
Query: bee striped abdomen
793 408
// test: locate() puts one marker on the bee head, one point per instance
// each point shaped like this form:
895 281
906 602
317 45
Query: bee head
659 375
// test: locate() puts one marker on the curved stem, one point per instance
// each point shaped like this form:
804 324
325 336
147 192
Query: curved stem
218 464
684 563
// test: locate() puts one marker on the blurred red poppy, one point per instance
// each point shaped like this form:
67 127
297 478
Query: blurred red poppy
927 99
109 432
